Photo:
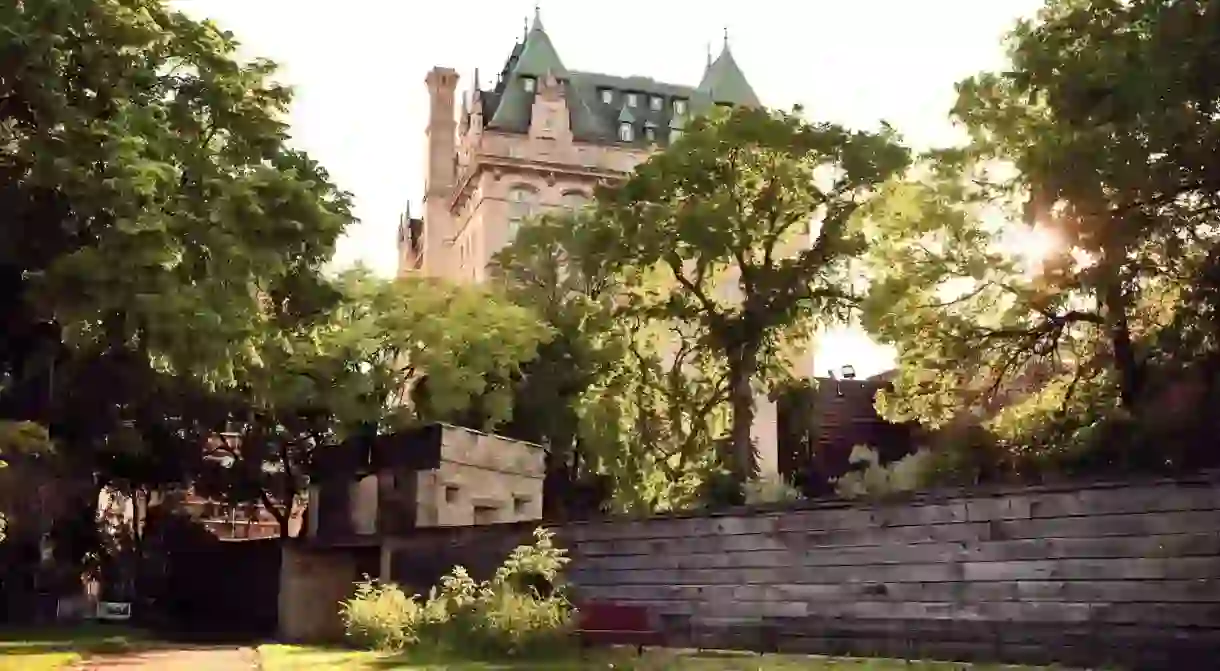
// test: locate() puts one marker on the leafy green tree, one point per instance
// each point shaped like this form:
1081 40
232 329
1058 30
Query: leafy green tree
555 268
345 372
152 205
1103 134
603 395
19 439
726 214
653 418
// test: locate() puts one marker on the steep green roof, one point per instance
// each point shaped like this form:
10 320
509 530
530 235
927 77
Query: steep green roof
535 58
538 56
594 119
725 83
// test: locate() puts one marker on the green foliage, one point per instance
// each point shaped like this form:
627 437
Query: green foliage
383 617
770 489
505 616
731 205
1097 135
660 357
23 439
153 209
653 420
343 371
603 395
151 191
877 480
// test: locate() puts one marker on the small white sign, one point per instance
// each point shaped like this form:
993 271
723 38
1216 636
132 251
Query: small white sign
114 610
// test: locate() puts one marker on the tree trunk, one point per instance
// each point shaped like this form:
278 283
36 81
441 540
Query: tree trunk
742 366
1130 374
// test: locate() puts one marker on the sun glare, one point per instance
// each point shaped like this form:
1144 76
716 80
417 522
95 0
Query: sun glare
1034 245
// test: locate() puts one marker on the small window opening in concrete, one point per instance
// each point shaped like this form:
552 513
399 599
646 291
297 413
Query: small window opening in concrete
485 515
451 493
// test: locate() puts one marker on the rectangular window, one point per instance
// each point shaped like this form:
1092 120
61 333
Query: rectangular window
451 494
632 100
607 96
656 103
679 107
675 135
486 515
528 83
625 133
650 134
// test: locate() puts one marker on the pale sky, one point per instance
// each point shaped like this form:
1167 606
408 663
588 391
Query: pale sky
358 68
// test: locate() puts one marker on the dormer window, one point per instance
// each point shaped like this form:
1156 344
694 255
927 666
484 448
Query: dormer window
607 96
679 106
655 103
529 84
650 133
633 100
625 132
675 135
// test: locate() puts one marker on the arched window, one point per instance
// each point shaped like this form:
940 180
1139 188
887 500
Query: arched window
522 201
574 200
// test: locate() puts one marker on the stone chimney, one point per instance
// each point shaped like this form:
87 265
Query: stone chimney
441 168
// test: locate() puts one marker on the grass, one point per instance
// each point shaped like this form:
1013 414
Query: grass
61 647
305 658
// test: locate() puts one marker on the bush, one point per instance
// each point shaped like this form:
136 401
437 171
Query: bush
770 489
522 610
875 480
381 617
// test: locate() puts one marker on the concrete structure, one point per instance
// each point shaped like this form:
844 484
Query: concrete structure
405 483
438 476
541 138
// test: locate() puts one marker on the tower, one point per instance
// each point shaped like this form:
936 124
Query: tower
439 170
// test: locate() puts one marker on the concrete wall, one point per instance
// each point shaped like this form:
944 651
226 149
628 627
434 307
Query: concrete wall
483 479
312 584
364 505
1086 576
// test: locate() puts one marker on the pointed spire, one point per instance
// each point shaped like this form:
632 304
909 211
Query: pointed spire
525 29
535 58
537 53
476 79
707 66
724 82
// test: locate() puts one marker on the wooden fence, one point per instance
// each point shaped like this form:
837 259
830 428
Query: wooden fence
1120 575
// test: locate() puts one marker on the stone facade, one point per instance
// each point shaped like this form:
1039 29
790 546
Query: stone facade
541 139
477 478
482 479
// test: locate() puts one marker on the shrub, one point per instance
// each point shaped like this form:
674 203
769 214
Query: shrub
907 474
770 489
521 610
381 617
